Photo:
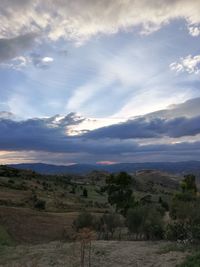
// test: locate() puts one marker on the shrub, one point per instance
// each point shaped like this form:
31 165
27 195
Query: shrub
191 261
110 222
176 231
135 219
85 192
145 220
40 204
84 220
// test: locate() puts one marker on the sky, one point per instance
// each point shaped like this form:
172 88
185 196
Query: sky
99 81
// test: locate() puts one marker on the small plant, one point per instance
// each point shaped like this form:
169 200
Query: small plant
86 236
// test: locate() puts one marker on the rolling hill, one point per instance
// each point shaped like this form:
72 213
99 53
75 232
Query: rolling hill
170 167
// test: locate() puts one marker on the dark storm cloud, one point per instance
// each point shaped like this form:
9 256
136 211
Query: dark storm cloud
149 128
36 134
120 141
11 48
50 135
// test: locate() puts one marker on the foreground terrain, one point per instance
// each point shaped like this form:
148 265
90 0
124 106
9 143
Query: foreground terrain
42 217
104 253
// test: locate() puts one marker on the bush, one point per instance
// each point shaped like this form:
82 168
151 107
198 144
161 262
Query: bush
192 261
176 231
85 193
40 204
84 220
110 222
153 225
145 220
135 219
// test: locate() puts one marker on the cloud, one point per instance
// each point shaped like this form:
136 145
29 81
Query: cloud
176 121
47 139
14 47
78 21
188 109
40 61
190 64
194 30
21 62
48 134
81 19
149 128
6 115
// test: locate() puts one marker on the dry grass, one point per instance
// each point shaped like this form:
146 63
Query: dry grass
104 254
29 226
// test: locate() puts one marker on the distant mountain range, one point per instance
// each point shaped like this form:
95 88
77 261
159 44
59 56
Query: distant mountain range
170 167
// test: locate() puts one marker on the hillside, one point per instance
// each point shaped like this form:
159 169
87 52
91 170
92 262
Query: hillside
170 167
47 201
37 214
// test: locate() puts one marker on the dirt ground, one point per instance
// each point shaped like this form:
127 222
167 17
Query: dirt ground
104 254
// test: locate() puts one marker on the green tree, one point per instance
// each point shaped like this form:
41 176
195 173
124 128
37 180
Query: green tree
120 192
189 184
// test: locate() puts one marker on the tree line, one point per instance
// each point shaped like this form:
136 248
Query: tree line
177 219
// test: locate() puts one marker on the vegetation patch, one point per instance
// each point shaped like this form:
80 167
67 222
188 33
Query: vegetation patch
191 261
5 238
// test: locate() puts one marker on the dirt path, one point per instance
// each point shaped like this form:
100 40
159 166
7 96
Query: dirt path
104 254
